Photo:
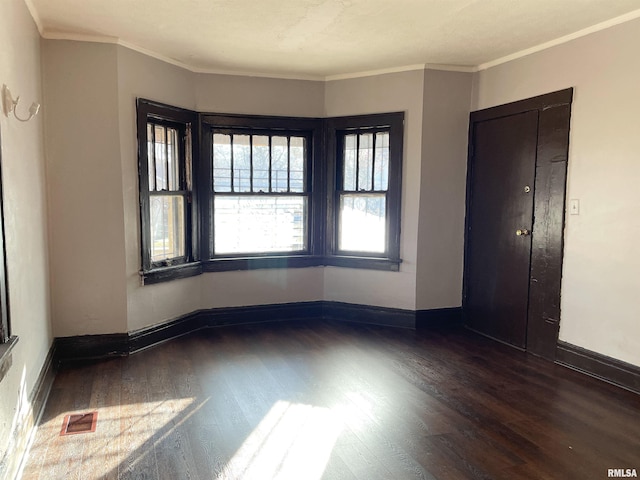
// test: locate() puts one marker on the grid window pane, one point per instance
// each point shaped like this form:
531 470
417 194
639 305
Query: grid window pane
296 164
173 172
151 157
221 163
167 227
260 163
241 163
362 223
279 164
160 141
365 162
256 224
163 159
350 165
381 171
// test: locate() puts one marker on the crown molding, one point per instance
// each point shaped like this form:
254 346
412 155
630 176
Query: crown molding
627 17
55 35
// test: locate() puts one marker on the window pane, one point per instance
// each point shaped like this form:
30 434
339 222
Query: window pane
167 227
172 150
381 173
260 224
221 163
279 164
362 223
161 157
241 163
151 164
349 171
296 164
260 163
365 162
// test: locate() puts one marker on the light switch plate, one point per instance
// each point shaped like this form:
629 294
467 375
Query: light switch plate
574 206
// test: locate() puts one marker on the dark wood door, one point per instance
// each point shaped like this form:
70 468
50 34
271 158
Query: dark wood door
500 221
517 171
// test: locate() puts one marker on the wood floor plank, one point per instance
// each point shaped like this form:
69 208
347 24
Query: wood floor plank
327 400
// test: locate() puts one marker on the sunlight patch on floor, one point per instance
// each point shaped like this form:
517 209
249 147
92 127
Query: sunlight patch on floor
122 432
292 441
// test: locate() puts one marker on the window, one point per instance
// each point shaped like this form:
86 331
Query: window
165 165
263 190
168 194
261 194
367 157
258 192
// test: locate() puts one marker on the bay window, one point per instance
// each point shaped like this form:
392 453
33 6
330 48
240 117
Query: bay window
229 192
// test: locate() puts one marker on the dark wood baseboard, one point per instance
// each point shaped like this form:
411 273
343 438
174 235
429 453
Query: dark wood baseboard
600 366
91 346
86 347
388 317
100 346
439 317
155 334
43 385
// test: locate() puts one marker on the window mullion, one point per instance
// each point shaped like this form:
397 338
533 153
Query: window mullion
251 163
288 163
233 173
270 162
166 158
357 162
373 163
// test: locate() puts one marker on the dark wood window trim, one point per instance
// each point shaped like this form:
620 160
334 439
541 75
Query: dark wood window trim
187 124
321 180
311 130
336 129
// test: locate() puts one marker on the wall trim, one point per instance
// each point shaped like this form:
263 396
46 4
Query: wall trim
369 314
600 366
627 17
439 317
86 347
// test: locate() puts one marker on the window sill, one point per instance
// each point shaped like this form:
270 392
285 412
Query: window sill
187 270
5 355
253 263
165 274
369 263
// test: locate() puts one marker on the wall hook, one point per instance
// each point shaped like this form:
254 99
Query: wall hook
9 105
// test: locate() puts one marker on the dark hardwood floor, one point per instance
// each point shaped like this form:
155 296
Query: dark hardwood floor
335 401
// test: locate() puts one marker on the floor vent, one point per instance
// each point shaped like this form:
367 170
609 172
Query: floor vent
79 423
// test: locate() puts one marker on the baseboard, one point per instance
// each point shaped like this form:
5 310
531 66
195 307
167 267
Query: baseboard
99 346
91 346
369 314
218 317
155 334
439 317
24 433
599 366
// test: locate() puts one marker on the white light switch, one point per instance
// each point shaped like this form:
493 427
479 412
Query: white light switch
574 206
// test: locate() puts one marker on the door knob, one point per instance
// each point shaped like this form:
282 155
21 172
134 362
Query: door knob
523 232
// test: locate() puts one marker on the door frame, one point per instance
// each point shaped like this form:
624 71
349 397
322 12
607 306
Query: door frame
547 242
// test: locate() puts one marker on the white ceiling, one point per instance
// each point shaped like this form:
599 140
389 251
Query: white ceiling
325 38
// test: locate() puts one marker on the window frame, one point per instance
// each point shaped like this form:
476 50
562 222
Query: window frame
336 129
321 177
311 128
186 121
